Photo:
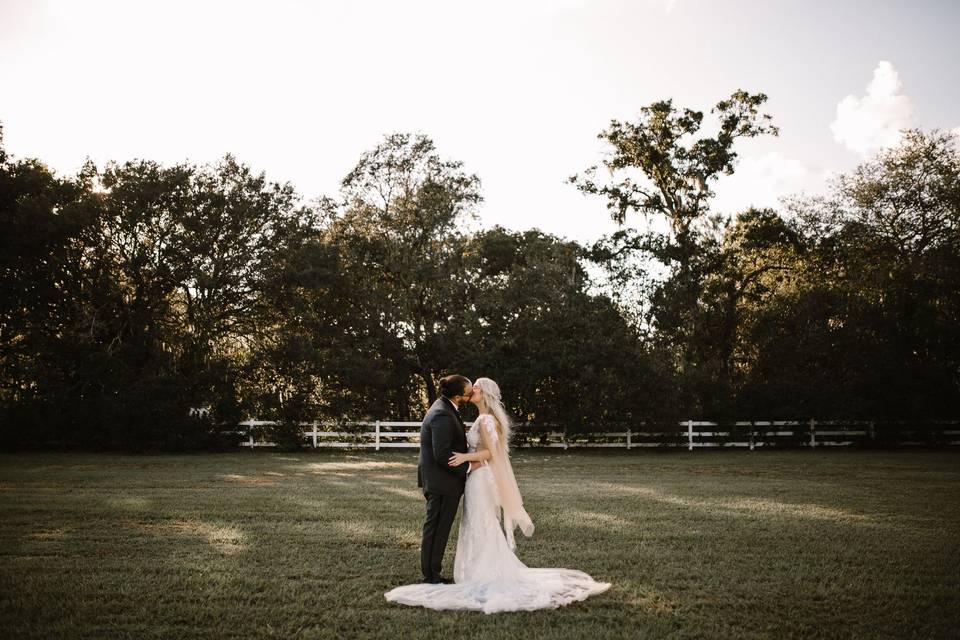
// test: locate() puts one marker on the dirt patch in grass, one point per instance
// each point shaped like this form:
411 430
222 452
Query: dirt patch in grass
378 535
52 535
258 480
654 602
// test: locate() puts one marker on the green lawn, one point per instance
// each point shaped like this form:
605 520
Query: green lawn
765 544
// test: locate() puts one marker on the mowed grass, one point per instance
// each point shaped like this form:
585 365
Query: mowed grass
765 544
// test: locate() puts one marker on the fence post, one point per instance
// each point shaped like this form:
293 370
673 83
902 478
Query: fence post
753 428
563 439
376 437
314 434
251 440
628 438
813 430
689 435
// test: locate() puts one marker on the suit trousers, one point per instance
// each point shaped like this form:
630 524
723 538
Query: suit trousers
441 511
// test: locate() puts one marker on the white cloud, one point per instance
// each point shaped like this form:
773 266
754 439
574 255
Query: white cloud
760 181
874 121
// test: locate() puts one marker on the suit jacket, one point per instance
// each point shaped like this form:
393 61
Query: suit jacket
441 434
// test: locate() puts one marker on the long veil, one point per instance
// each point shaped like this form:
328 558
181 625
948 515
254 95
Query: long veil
508 494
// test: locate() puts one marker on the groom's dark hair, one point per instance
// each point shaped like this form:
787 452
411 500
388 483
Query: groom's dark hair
454 385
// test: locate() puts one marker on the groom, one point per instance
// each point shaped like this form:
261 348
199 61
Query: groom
441 434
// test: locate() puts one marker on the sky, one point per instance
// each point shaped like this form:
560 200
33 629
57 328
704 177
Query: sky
515 89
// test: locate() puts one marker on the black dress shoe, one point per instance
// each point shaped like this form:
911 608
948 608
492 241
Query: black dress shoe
442 580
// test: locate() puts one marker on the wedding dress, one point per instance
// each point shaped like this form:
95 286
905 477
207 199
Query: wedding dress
487 574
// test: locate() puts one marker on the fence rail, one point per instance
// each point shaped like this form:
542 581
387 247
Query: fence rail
691 434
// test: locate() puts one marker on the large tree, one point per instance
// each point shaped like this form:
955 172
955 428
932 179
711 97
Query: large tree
45 224
659 167
133 290
886 269
565 358
397 225
395 291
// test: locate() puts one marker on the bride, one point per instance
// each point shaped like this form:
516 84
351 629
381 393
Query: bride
487 574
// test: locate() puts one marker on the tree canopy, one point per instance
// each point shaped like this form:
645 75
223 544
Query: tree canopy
153 307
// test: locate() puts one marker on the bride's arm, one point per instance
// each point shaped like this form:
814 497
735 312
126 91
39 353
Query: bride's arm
477 456
489 438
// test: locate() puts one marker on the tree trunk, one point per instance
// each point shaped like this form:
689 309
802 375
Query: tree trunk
431 387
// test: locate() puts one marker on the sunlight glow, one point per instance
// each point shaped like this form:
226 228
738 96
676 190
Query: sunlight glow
224 539
740 507
322 467
516 91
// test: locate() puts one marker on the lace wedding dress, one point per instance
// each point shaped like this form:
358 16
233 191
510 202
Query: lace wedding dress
487 574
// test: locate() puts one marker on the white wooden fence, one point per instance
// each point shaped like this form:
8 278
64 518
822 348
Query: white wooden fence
691 434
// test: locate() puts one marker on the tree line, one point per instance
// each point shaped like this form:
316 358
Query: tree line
135 294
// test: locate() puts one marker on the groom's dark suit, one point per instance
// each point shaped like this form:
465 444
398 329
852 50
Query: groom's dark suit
441 434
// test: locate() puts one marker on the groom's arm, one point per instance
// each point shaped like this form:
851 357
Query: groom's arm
442 442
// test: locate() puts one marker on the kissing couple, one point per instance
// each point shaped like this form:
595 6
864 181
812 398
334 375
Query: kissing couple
454 462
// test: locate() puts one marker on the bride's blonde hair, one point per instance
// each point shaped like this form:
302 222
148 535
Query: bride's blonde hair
508 494
493 404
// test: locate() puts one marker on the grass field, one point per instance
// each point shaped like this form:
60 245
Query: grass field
790 544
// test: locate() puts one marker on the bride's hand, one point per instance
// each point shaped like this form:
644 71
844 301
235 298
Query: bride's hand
457 459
